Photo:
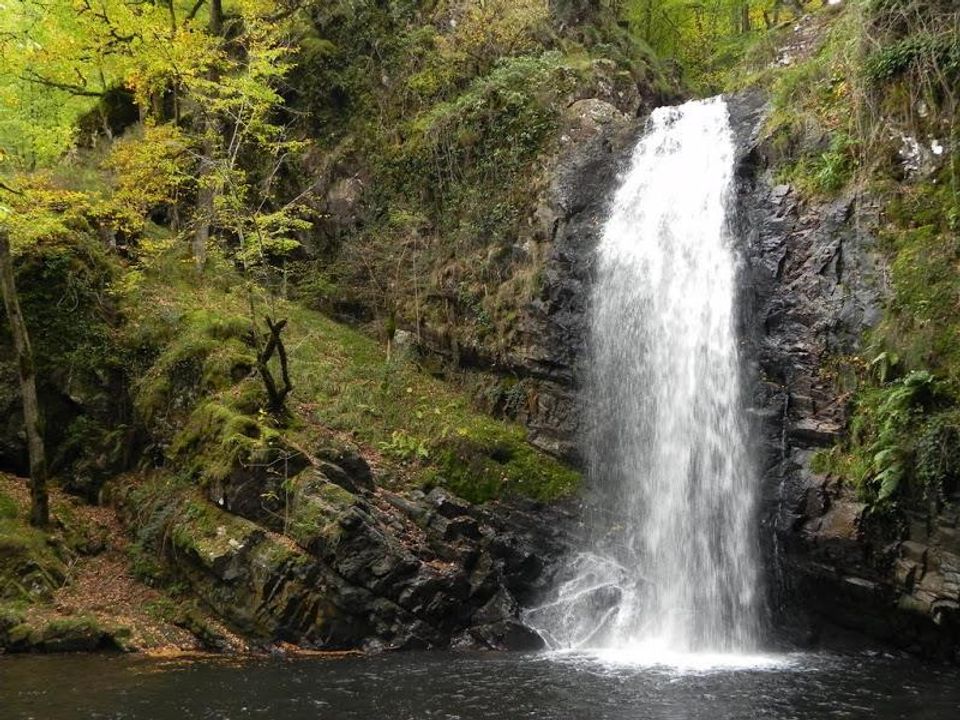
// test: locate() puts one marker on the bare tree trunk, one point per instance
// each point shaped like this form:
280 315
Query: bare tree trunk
276 395
39 502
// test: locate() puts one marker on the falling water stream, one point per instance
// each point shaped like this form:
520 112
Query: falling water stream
671 567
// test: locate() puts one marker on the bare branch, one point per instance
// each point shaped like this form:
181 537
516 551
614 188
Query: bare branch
78 90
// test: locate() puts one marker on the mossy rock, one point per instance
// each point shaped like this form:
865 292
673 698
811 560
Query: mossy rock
260 585
30 566
495 463
10 617
319 509
213 535
191 619
76 634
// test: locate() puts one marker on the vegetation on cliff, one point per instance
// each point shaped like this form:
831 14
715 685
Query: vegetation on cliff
870 114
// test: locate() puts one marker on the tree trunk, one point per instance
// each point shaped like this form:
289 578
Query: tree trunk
216 17
207 194
39 503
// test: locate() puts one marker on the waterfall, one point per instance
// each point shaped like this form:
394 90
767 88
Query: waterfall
671 564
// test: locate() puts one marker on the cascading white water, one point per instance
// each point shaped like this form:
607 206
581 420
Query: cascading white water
672 565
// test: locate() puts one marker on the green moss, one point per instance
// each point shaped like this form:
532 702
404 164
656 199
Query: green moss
200 352
11 616
219 436
198 396
168 515
277 555
192 619
8 507
317 510
921 323
487 461
146 565
209 531
30 566
72 634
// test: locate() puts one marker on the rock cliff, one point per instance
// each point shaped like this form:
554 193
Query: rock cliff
813 286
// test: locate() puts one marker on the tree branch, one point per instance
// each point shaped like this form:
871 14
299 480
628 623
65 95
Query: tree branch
276 397
195 9
77 90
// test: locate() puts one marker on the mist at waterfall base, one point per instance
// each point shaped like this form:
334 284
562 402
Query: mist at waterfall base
670 573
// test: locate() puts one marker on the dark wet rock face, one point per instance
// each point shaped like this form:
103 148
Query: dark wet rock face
812 287
328 567
596 141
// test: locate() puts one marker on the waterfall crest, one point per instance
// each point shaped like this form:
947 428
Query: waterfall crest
672 559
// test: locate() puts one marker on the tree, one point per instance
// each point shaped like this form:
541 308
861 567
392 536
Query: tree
206 175
205 77
703 35
211 69
239 103
39 502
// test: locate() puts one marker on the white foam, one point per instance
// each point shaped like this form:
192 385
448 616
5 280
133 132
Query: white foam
655 655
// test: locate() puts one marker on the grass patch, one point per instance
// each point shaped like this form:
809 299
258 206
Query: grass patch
8 507
201 397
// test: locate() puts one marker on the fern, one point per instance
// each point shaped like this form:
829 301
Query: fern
890 453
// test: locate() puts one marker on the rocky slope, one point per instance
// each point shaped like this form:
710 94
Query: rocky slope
249 530
597 139
462 227
345 564
342 564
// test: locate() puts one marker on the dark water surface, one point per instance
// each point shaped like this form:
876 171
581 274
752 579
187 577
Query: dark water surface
470 687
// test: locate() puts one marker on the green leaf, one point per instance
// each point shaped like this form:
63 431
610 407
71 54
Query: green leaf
889 481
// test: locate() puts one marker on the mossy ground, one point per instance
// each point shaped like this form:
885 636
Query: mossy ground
200 390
